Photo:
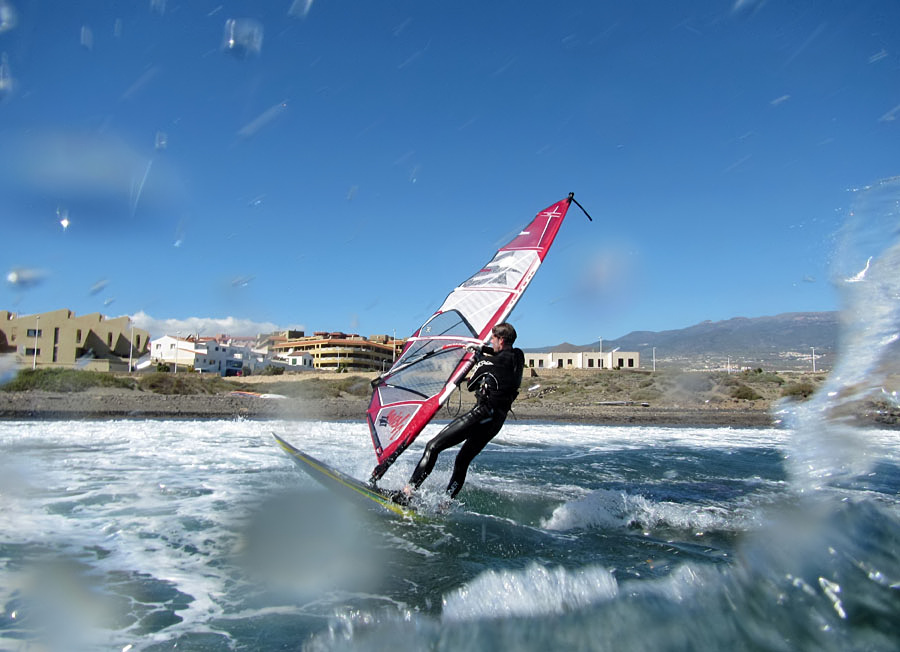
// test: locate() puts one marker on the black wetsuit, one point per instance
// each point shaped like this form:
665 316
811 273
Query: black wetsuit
495 380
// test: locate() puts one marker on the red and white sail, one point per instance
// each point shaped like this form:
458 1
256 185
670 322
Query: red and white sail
435 360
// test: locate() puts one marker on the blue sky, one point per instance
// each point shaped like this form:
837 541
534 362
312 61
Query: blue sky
356 160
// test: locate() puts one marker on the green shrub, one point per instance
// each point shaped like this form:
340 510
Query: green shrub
760 376
744 393
186 383
64 380
800 390
646 395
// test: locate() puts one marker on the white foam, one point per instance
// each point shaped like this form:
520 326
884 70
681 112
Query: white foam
606 509
537 590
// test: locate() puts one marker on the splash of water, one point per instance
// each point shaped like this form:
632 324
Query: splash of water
830 446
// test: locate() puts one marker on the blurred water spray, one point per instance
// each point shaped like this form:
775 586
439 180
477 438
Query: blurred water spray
25 278
7 83
300 8
9 367
99 286
263 119
8 17
830 445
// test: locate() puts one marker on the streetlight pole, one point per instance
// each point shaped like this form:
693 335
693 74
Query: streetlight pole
813 358
654 358
177 336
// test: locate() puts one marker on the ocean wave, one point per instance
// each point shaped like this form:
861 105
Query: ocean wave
536 590
608 509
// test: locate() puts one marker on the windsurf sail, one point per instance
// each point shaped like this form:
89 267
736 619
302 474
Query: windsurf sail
435 358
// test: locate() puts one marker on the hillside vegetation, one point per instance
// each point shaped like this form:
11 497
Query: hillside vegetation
669 388
571 386
668 396
70 380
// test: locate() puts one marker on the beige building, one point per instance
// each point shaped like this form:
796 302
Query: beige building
338 351
61 339
584 360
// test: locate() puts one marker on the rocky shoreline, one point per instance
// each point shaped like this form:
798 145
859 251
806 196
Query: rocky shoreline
105 403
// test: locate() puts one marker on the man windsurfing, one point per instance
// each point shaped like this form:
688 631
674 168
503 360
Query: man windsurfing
495 379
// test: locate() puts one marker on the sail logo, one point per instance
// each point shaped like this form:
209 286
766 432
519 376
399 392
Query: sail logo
396 419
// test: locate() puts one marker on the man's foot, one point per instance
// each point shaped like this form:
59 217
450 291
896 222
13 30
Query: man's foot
403 496
399 498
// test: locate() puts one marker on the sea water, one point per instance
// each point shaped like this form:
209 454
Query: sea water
202 535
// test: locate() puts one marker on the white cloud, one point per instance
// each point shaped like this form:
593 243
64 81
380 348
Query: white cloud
205 326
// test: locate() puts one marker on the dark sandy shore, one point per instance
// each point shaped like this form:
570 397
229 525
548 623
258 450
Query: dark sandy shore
129 404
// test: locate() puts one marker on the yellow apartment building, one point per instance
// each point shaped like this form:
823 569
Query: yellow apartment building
61 339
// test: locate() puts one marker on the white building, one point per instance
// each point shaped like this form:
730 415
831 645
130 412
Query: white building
205 355
221 355
300 360
584 360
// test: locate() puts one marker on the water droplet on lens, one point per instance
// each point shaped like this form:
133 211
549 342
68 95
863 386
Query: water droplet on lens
243 37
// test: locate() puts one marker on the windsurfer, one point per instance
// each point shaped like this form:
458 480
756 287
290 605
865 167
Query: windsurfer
495 379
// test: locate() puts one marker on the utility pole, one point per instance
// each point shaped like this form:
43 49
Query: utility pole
813 358
177 336
654 358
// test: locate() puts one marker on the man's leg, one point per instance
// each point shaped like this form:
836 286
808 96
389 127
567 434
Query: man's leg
452 434
478 438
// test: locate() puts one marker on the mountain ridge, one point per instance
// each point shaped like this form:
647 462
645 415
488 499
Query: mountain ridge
786 340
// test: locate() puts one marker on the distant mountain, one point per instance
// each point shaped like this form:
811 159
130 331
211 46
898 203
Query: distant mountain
785 340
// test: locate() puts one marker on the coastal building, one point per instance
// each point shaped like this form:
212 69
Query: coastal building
338 351
61 339
222 354
583 360
201 354
299 361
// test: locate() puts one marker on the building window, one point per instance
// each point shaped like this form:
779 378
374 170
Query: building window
630 362
78 336
31 351
109 340
35 333
590 362
621 362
